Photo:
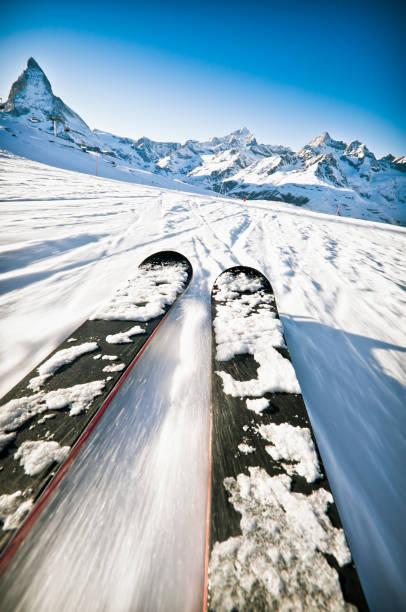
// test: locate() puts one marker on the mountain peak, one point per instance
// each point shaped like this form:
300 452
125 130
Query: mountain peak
323 139
241 137
30 91
32 63
31 94
244 131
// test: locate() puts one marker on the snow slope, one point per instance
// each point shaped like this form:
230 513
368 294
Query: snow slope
35 143
68 240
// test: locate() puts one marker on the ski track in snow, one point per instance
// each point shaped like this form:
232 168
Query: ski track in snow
135 498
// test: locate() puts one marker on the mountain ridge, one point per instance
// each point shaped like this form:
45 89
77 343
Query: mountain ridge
325 175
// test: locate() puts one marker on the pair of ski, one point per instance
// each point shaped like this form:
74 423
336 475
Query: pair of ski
274 538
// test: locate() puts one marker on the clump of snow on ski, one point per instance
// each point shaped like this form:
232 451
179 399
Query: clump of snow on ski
279 554
144 296
124 337
244 325
15 413
257 405
13 509
5 439
37 455
59 359
249 325
284 551
114 368
295 445
77 398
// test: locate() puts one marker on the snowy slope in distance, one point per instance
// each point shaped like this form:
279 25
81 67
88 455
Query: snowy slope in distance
326 175
69 239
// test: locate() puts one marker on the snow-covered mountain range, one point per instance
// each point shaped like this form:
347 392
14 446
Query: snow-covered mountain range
325 175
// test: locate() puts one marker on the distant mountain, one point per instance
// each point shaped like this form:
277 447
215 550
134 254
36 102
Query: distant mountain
324 175
31 96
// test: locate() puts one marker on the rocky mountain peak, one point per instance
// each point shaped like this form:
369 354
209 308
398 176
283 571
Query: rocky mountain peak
323 139
242 136
357 148
31 90
34 65
31 94
242 132
239 138
322 144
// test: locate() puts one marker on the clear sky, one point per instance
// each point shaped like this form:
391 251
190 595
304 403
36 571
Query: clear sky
178 70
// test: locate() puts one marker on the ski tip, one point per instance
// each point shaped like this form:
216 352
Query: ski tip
168 258
165 257
249 272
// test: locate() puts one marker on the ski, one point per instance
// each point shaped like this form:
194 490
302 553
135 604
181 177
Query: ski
46 418
274 538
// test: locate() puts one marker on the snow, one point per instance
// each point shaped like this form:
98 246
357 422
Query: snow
35 456
323 175
78 398
245 448
114 368
61 358
257 405
275 374
16 412
68 240
278 558
248 325
37 143
5 440
124 337
45 418
13 509
292 444
144 296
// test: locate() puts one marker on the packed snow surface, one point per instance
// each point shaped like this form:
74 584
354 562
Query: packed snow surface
68 241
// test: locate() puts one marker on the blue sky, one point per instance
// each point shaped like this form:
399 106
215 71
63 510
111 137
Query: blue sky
177 70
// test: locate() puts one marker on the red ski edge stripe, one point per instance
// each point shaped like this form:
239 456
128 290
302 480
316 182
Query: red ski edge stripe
29 522
208 510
